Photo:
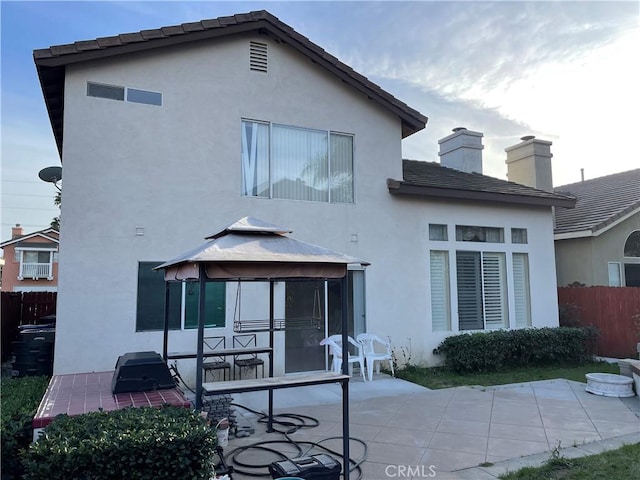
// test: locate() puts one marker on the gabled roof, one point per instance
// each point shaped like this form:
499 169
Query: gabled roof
602 203
50 234
51 62
430 179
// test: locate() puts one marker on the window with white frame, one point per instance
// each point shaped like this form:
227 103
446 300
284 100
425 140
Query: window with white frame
615 274
293 163
482 290
521 290
440 295
35 264
483 287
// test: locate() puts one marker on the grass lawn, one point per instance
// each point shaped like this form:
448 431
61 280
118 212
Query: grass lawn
622 464
438 377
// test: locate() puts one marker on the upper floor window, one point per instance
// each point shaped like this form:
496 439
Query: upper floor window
468 233
115 92
280 161
632 245
35 264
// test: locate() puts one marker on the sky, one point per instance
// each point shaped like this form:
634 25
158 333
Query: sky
564 71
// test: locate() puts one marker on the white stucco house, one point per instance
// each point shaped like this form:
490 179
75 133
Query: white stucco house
166 136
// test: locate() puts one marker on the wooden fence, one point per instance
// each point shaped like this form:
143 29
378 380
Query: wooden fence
614 311
23 308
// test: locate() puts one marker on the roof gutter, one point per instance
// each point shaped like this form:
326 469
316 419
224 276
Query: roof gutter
397 187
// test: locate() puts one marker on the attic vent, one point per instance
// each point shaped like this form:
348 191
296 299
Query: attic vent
258 56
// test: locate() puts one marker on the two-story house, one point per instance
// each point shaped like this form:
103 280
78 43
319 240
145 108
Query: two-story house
31 261
168 135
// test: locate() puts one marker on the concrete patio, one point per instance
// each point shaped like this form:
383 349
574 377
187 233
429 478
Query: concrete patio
456 433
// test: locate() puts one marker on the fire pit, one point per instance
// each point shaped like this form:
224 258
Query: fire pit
609 385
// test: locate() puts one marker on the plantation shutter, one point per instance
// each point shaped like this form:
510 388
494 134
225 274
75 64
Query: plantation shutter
440 299
495 290
521 291
469 286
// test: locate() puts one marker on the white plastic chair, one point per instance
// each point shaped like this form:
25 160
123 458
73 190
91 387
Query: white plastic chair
335 349
369 341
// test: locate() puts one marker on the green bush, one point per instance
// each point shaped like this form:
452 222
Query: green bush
496 350
20 398
133 443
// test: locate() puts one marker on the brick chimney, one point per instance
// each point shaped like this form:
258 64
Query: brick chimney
529 163
462 150
16 231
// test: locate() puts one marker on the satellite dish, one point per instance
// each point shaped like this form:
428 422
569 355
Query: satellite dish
50 174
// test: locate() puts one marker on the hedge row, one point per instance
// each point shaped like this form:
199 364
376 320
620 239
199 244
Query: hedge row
141 443
20 398
496 350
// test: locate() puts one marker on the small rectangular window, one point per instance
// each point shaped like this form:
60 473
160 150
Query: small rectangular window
519 235
468 233
615 274
100 90
437 232
143 96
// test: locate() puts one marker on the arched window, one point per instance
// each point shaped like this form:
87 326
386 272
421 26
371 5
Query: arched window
632 245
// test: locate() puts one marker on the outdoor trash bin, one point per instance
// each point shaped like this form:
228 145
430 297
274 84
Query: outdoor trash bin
315 467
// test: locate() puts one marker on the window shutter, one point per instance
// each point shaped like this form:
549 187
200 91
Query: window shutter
495 289
521 291
440 299
469 286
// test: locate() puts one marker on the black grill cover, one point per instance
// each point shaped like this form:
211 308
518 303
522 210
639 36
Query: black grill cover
141 372
315 467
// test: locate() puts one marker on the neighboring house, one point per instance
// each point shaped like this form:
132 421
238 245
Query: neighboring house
172 134
598 242
31 261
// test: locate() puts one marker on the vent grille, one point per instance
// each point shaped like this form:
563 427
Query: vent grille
258 60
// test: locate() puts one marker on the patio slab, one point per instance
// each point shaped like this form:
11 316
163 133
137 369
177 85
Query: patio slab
402 430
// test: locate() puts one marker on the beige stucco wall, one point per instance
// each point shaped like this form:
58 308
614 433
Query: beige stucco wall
586 260
174 171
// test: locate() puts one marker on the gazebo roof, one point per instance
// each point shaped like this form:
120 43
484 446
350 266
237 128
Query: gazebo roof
254 249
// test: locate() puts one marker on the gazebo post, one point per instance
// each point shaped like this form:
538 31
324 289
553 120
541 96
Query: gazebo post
166 321
345 371
271 317
203 283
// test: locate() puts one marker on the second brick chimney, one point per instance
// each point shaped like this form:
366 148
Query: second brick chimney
16 231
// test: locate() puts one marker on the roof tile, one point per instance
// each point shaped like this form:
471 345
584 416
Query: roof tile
432 174
113 41
192 27
173 30
152 34
601 201
131 37
87 45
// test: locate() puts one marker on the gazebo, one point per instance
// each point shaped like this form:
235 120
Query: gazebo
254 250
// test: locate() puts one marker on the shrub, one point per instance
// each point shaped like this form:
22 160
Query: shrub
20 398
496 350
134 443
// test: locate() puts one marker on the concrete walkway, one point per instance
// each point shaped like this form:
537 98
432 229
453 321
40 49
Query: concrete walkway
456 433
